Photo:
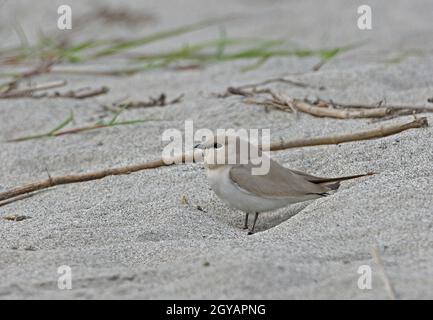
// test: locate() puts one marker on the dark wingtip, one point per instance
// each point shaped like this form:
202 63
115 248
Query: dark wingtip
333 186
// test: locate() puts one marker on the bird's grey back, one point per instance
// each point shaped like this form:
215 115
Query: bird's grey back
279 182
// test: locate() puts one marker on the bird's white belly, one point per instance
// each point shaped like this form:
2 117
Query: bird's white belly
234 196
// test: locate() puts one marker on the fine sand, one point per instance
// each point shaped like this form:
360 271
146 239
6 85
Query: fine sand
133 236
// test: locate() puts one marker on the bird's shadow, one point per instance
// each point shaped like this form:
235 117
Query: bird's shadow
269 220
21 197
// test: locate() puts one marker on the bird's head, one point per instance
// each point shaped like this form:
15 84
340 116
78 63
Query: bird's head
222 150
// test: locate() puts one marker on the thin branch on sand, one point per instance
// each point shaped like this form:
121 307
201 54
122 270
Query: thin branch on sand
81 93
323 108
74 178
319 65
340 111
160 101
401 108
363 135
28 92
43 67
324 111
243 92
10 90
380 132
388 285
254 87
306 107
281 80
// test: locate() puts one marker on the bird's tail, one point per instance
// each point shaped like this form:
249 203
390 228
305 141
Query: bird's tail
334 183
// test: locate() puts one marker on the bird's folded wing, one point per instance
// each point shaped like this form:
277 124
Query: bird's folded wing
279 182
323 180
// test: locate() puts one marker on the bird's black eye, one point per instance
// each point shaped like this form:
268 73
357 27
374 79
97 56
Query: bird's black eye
217 145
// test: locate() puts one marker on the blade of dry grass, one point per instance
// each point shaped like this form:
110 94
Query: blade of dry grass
388 285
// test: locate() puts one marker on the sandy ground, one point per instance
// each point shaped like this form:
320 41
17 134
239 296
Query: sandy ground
132 237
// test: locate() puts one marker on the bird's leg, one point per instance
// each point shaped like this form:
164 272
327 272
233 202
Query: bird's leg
246 221
254 223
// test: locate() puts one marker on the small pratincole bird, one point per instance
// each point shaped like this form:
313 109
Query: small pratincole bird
234 182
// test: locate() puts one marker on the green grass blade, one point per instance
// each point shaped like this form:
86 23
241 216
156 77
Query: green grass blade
61 125
256 65
116 115
130 44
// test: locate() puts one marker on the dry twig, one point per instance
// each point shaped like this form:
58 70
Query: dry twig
28 92
323 108
126 103
254 87
327 111
81 93
11 91
44 67
388 285
319 65
55 181
380 132
352 111
281 80
380 104
160 101
15 218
